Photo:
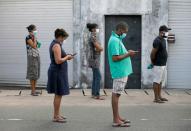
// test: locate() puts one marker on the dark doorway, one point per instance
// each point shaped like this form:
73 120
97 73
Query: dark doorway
132 41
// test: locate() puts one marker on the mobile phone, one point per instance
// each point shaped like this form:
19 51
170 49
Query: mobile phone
74 54
136 51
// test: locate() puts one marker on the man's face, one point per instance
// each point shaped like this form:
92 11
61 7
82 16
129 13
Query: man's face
124 31
164 34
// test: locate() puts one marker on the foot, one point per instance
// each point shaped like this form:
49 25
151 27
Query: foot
158 101
163 99
120 124
125 120
59 119
34 94
63 117
98 98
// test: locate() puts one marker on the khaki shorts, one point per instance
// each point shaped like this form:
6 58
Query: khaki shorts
119 85
159 74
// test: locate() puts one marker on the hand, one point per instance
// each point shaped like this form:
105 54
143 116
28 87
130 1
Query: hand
69 57
131 52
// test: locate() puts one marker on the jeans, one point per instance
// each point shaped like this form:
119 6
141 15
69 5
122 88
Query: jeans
96 84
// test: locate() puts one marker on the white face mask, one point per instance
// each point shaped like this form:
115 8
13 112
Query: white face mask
97 30
166 34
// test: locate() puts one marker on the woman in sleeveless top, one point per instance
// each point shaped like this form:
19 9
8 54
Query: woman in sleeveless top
58 72
94 59
33 59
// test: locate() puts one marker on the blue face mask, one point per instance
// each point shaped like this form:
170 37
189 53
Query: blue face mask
123 35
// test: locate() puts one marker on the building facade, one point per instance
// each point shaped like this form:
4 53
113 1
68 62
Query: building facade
143 17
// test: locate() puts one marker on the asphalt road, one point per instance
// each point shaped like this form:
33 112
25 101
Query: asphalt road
27 113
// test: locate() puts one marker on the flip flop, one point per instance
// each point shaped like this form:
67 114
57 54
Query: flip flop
120 125
63 117
99 98
59 120
163 99
158 101
126 121
34 94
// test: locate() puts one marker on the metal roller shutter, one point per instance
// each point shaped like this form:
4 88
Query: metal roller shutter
15 16
179 62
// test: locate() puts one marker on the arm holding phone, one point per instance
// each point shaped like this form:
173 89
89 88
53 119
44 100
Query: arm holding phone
57 55
121 57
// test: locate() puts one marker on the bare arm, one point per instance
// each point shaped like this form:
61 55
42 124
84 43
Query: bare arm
57 55
121 57
32 44
153 54
98 46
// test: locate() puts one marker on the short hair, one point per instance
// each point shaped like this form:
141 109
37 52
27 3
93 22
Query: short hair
164 28
91 26
31 27
121 25
60 32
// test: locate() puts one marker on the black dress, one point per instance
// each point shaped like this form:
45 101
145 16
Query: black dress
57 74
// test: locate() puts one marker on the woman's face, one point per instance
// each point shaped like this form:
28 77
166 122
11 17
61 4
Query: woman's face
96 30
33 32
61 39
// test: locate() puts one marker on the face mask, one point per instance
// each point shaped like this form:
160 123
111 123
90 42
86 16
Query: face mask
35 33
165 35
123 35
97 30
64 42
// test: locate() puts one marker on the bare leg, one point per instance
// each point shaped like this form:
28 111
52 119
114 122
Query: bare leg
160 96
159 90
32 82
155 89
115 101
57 102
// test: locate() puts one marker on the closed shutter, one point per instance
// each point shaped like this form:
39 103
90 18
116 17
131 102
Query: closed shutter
15 16
179 62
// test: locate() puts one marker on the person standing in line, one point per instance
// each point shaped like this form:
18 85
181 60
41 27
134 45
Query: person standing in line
159 59
58 73
120 68
33 58
94 59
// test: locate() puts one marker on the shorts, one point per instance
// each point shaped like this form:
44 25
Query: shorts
119 85
159 74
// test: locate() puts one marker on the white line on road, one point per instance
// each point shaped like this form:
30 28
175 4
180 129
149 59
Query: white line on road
186 119
144 119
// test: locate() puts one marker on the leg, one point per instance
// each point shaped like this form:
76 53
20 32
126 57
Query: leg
32 82
93 83
57 101
155 89
97 81
115 108
160 96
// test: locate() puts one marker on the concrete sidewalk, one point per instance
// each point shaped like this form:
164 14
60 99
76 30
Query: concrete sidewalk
134 97
26 113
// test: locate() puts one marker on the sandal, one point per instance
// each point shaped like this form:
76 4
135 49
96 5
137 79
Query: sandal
59 120
63 117
158 101
34 94
120 125
99 98
126 121
163 99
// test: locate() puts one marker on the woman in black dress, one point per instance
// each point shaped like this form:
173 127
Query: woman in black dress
58 72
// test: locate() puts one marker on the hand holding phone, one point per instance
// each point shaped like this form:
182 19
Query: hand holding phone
74 54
